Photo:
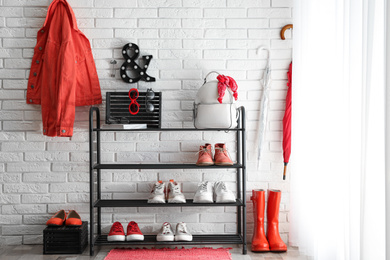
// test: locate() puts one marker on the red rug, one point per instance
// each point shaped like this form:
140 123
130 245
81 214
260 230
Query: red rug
169 254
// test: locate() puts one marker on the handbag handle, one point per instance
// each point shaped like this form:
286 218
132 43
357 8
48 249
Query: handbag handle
205 78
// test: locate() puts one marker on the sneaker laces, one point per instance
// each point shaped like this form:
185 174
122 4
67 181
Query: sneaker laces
224 151
203 151
182 228
176 189
203 186
222 185
134 227
157 188
166 229
117 228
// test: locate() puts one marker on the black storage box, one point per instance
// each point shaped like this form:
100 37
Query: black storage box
65 239
117 109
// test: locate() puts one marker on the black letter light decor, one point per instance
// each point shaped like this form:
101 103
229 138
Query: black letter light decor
137 72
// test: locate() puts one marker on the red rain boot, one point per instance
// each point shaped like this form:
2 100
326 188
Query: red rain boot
276 244
259 241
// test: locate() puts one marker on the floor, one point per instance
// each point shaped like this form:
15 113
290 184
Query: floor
34 252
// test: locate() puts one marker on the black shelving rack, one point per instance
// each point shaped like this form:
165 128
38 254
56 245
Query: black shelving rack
95 166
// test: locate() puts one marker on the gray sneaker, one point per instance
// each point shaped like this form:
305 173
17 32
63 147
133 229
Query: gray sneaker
174 193
182 233
204 194
222 193
158 193
166 233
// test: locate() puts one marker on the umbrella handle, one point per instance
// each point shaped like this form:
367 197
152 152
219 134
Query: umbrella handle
288 26
284 171
268 52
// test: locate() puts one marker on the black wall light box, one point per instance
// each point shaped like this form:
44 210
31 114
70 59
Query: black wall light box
136 69
117 109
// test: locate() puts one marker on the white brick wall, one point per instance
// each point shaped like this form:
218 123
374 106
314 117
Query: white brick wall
187 38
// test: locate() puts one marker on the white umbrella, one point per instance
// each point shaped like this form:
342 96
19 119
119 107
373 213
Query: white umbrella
263 105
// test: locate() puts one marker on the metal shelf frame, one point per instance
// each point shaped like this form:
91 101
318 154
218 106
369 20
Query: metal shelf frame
166 129
144 203
197 240
96 202
161 166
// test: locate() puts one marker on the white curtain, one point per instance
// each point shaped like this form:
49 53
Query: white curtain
338 130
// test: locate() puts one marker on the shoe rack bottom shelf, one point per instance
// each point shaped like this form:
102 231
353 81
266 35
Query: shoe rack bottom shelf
196 240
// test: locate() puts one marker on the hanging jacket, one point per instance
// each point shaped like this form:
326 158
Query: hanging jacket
63 73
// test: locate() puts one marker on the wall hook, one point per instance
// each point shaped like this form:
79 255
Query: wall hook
113 62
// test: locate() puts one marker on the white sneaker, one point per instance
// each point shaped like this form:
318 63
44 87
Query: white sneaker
204 194
182 233
222 193
166 233
174 193
158 193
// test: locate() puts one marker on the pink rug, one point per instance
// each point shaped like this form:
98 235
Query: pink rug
168 253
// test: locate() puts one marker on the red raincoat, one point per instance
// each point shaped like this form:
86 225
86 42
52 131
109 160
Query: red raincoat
63 73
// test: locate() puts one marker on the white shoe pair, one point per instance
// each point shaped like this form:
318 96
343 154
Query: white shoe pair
160 195
205 191
166 233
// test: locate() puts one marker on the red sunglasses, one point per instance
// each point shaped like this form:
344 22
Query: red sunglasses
134 106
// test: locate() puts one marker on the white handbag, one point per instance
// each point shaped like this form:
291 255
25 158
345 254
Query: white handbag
209 113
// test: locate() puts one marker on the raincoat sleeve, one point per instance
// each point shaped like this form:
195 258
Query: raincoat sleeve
58 100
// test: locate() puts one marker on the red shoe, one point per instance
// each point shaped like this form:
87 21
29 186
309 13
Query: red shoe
73 219
116 233
221 156
205 156
58 219
133 232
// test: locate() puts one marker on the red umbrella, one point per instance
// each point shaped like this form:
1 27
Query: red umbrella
287 124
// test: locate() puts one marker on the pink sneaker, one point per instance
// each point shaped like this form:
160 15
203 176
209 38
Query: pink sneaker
221 156
205 156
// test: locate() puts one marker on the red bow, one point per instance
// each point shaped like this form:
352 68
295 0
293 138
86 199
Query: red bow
223 82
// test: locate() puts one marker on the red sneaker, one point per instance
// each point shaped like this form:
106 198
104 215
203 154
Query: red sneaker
58 219
116 233
133 232
221 156
205 156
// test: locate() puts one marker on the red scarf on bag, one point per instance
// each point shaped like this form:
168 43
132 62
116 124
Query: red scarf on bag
223 82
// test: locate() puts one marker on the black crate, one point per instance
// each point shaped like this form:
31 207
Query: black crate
65 239
117 109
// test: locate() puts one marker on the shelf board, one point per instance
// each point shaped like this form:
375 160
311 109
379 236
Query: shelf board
144 203
109 166
165 129
197 240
